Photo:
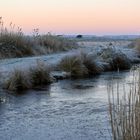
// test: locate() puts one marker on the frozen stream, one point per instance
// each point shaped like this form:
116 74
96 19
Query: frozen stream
65 110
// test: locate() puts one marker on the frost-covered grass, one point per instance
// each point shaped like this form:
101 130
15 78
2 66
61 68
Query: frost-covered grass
116 58
53 43
40 74
135 44
120 63
18 80
125 111
91 64
83 64
13 43
80 65
22 80
73 64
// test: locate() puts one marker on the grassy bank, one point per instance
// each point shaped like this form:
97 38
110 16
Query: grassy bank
78 65
13 43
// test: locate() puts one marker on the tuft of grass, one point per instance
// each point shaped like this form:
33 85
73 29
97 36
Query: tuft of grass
91 64
116 58
74 65
120 62
29 79
40 75
124 111
17 81
80 65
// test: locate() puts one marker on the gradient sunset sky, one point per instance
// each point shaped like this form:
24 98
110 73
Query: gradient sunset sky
74 16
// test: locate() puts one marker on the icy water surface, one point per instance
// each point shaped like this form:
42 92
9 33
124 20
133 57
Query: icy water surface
65 110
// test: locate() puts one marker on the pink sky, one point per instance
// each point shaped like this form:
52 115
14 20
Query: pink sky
74 16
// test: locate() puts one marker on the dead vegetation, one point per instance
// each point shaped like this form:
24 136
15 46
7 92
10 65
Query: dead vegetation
116 59
124 111
34 77
74 65
80 65
40 74
13 42
18 81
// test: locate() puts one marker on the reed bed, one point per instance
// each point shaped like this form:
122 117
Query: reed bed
124 110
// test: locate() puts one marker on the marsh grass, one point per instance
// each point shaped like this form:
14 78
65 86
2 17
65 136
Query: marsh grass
120 62
80 65
13 42
15 45
116 59
74 65
29 79
92 65
40 75
54 43
124 111
18 81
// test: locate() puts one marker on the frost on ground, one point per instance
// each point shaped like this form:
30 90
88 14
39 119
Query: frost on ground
68 109
103 53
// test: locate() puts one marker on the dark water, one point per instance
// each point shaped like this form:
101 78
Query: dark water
66 110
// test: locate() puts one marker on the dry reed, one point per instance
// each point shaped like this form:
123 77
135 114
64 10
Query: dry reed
124 111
